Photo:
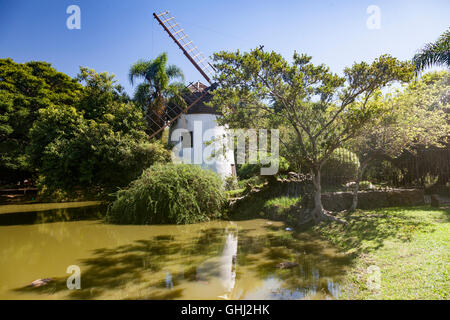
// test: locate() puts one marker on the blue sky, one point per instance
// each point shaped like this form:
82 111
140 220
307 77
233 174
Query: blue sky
116 33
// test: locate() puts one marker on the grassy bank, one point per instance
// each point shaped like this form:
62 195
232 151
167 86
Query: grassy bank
410 246
263 206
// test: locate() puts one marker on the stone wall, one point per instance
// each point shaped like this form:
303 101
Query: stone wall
335 201
338 201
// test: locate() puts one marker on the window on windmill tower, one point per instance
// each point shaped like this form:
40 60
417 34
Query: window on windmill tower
187 139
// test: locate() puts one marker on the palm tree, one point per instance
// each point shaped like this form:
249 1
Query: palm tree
156 90
437 53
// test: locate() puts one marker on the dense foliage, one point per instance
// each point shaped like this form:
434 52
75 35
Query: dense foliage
171 193
100 94
415 116
82 133
101 144
24 89
414 120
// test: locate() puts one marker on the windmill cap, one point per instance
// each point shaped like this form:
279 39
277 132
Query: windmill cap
197 89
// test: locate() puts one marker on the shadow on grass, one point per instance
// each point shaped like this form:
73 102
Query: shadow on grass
368 229
446 209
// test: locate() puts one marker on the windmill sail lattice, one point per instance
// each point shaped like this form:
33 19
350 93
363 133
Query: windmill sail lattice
185 44
158 120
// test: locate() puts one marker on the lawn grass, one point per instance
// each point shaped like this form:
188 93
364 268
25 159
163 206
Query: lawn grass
410 246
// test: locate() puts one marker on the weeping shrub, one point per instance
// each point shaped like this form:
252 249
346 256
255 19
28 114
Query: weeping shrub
170 193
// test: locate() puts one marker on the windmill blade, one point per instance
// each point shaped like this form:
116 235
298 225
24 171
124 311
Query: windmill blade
177 34
158 121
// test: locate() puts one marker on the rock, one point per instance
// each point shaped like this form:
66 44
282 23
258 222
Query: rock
363 185
369 186
40 282
350 184
293 175
286 265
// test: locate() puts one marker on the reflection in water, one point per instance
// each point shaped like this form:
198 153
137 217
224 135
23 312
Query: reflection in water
219 259
169 282
228 263
51 212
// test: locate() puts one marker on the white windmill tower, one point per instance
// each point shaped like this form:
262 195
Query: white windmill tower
201 132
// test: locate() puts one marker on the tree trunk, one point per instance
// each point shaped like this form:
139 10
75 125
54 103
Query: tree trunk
359 176
318 213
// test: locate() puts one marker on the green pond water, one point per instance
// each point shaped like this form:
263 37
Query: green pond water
214 260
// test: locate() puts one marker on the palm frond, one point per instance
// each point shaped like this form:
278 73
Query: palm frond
156 90
174 72
143 95
175 93
139 69
437 53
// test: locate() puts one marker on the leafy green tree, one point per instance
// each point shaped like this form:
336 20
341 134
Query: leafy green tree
98 157
24 89
100 91
436 53
104 101
323 110
53 123
156 90
414 117
99 145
